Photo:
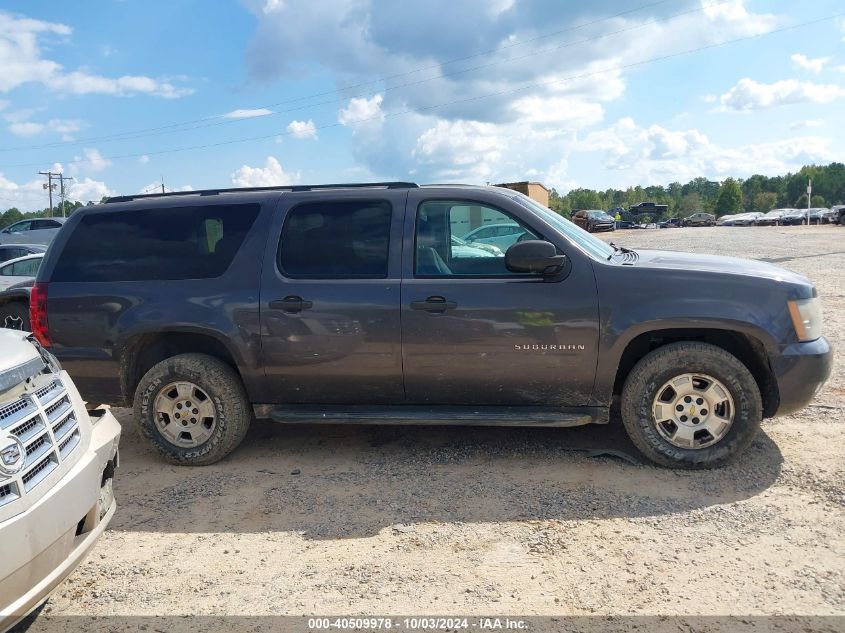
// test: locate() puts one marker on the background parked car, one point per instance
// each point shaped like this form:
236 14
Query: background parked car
461 249
35 231
725 220
671 223
593 220
794 216
747 219
830 216
815 215
499 235
772 218
700 219
20 269
13 251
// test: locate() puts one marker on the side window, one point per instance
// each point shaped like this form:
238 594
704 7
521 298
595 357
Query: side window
346 239
20 227
6 270
29 268
45 224
166 243
448 244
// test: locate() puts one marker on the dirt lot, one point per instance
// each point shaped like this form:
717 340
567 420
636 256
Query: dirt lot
370 520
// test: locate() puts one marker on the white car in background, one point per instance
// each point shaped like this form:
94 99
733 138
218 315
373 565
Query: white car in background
21 269
462 249
57 464
499 235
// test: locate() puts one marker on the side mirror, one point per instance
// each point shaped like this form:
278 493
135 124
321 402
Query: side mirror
534 256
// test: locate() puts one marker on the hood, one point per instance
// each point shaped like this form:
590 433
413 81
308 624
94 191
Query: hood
718 264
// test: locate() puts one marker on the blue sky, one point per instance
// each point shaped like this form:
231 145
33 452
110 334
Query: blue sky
599 93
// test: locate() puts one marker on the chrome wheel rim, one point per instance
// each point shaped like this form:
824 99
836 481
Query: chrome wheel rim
184 414
693 411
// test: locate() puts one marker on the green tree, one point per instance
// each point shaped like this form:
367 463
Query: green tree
730 198
10 216
584 199
764 201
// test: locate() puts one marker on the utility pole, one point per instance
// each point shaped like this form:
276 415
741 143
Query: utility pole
809 198
61 178
49 186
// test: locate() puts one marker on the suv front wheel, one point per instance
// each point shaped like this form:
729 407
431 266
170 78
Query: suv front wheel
193 408
691 405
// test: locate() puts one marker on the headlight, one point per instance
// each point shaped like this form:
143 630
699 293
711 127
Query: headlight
807 318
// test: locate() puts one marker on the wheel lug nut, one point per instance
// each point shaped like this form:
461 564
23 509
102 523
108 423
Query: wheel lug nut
680 407
699 401
695 420
687 399
684 418
704 412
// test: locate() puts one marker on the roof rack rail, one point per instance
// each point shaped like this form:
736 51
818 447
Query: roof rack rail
291 188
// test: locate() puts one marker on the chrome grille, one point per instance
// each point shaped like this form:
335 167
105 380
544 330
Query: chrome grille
45 423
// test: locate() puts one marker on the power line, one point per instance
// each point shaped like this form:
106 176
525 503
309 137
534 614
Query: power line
213 121
476 97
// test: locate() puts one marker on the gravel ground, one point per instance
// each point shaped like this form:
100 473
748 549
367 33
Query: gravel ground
369 520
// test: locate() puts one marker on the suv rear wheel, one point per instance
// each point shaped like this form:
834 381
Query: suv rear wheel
691 405
193 408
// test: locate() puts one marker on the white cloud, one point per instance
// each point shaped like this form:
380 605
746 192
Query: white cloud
88 190
90 161
65 127
658 155
272 174
302 129
557 110
797 125
749 95
144 159
803 62
460 149
30 196
361 110
22 62
26 128
247 113
536 93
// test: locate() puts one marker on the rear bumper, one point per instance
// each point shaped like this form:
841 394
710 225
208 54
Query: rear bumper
46 542
800 371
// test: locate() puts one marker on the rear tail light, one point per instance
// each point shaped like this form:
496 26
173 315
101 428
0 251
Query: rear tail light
38 314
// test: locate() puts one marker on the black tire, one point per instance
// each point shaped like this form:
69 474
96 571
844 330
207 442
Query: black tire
225 390
675 359
15 316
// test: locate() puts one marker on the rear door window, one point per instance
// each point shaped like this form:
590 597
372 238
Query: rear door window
27 268
345 239
163 243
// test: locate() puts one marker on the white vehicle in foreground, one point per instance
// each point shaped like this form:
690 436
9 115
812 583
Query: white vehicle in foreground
57 463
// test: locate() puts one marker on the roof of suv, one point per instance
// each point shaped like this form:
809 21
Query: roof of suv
297 189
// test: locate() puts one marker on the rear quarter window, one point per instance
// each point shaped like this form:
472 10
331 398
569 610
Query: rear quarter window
160 244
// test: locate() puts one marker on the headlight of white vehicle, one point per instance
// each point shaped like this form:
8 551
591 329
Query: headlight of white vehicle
807 318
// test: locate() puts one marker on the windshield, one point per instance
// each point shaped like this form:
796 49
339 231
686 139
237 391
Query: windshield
592 245
597 214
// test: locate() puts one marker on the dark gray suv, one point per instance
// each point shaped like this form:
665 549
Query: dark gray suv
346 303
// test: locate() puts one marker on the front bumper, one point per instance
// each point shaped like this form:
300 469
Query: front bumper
800 371
43 545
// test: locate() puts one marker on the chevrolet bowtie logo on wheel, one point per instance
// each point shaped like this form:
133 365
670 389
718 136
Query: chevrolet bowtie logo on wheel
12 454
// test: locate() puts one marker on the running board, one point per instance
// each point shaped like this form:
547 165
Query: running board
432 415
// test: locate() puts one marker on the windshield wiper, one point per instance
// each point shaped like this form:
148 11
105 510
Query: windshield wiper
618 249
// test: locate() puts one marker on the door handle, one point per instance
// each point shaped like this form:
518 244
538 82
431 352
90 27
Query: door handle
291 303
434 304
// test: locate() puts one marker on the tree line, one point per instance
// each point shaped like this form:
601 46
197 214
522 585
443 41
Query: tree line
733 195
